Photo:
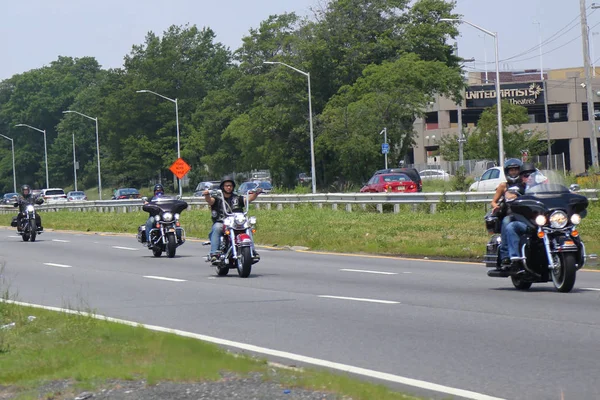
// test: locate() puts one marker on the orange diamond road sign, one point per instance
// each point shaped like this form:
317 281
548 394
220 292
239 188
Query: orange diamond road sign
179 168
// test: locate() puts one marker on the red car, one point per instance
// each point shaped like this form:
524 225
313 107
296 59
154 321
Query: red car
391 183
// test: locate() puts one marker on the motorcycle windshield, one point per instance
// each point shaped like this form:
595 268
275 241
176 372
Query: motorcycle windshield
165 204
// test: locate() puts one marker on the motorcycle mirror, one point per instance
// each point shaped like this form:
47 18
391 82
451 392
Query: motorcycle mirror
574 187
39 200
144 199
178 197
513 190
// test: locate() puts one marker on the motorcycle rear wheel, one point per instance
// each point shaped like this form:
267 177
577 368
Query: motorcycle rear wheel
244 263
519 284
563 277
221 271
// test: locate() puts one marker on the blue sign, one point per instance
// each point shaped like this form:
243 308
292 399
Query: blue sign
385 148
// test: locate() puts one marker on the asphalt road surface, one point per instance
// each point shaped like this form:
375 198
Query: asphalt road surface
441 322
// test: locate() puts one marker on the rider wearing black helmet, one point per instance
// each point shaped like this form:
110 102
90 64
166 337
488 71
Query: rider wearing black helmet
22 202
233 202
158 191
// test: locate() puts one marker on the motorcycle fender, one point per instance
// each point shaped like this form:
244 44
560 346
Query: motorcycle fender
565 244
243 239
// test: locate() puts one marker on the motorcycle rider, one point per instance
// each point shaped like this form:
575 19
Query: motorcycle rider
234 203
22 202
159 191
512 170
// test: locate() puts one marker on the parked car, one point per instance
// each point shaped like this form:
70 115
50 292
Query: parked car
430 174
264 185
390 182
126 193
10 198
36 193
411 172
53 195
263 175
76 196
489 181
202 186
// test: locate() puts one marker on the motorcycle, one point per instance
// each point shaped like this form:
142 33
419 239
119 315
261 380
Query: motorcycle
28 227
236 244
551 249
167 233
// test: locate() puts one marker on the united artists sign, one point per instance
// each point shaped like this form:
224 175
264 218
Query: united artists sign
523 94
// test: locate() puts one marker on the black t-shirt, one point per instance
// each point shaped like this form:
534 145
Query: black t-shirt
234 203
24 201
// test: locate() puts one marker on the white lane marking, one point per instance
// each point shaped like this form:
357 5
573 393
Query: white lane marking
58 265
590 288
407 272
15 236
60 240
467 394
162 278
368 272
124 248
359 299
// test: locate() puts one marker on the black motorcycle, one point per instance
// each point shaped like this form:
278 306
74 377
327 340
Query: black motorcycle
551 249
166 234
28 226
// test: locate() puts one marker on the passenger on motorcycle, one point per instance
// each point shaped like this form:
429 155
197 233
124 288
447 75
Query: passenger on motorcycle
159 191
512 169
234 203
512 229
22 201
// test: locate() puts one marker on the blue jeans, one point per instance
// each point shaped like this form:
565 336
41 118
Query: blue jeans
149 226
215 237
503 250
514 230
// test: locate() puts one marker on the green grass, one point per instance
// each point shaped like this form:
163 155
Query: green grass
89 352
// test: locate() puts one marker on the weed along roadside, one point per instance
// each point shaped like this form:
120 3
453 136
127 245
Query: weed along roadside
455 231
47 354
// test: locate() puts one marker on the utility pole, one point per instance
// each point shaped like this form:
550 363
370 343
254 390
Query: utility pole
588 81
547 124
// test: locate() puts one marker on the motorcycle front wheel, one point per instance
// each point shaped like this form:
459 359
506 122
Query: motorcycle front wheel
244 262
26 231
171 245
33 230
563 277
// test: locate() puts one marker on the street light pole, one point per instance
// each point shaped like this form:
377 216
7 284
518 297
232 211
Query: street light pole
97 149
312 145
45 149
498 93
12 142
176 122
74 163
384 131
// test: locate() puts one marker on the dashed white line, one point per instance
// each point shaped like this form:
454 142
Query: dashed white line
125 248
58 265
590 288
61 240
368 272
162 278
360 299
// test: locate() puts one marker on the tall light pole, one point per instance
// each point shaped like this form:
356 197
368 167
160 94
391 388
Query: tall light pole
176 122
588 81
312 145
97 149
12 142
498 94
384 131
45 149
74 164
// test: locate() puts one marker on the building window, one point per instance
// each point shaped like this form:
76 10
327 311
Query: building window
556 113
584 113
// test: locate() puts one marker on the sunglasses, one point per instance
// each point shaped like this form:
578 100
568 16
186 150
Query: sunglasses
525 175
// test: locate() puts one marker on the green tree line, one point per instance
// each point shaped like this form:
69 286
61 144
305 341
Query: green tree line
372 64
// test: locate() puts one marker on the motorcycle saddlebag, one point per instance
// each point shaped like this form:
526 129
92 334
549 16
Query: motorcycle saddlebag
13 223
141 235
492 223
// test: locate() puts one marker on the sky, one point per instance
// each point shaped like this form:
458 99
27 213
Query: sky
34 33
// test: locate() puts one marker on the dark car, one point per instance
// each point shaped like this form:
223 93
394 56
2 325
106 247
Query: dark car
264 185
202 186
411 172
126 193
391 182
9 198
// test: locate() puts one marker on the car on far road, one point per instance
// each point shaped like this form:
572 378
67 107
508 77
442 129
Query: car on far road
264 185
36 193
489 180
10 198
392 182
76 196
53 195
411 172
430 174
202 186
126 193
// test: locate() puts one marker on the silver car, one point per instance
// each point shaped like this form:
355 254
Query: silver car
76 196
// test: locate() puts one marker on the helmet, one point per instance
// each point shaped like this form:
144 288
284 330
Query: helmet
158 188
227 179
512 163
527 168
24 188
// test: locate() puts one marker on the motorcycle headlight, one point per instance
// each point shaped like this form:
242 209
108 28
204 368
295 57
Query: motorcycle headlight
252 220
176 217
228 221
167 216
30 208
575 219
540 220
240 219
558 220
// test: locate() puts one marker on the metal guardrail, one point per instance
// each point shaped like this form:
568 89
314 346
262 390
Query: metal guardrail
348 200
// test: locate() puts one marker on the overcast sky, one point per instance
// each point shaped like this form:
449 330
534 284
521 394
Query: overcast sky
35 32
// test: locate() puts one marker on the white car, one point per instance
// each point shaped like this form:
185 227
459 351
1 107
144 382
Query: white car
489 181
53 195
430 174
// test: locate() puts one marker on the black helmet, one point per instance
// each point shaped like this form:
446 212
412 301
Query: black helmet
527 168
158 188
227 179
25 187
512 163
